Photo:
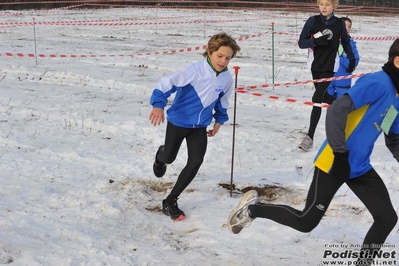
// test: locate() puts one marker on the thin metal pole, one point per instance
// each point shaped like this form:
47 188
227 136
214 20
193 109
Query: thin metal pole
204 24
273 54
236 68
156 19
34 39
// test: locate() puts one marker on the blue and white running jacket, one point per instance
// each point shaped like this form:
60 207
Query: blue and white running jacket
201 94
376 100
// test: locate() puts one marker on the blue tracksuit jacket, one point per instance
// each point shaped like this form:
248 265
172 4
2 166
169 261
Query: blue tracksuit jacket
201 95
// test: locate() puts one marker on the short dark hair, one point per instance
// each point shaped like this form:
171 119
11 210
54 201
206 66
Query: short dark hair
393 51
347 19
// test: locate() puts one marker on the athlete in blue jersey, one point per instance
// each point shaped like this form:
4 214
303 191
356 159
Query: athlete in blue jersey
202 92
353 123
340 86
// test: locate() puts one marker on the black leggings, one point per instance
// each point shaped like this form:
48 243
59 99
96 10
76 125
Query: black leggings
319 96
369 188
197 141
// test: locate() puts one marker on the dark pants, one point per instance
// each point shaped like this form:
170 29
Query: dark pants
197 141
369 188
319 96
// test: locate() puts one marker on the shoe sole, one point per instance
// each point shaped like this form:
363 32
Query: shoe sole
302 148
179 218
243 202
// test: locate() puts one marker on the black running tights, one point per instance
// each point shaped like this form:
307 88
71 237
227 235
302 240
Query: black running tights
319 96
369 188
197 140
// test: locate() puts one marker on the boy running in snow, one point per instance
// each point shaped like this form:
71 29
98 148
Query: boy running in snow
202 92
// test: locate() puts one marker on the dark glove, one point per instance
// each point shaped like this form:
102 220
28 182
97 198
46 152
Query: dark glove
321 41
341 167
351 66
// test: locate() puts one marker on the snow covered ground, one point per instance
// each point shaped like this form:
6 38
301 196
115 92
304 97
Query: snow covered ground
77 147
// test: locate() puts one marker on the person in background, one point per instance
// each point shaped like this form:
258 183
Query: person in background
321 35
340 86
202 92
353 124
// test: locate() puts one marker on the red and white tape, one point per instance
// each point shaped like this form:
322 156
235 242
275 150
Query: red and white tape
381 38
83 56
246 89
172 51
290 100
289 83
115 23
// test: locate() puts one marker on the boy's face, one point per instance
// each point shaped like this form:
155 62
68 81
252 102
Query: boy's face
396 62
326 8
221 58
348 26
